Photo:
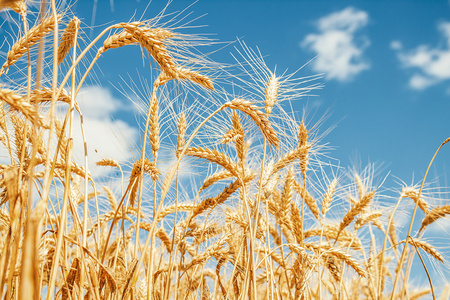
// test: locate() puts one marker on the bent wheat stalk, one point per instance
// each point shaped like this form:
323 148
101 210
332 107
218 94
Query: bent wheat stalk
397 277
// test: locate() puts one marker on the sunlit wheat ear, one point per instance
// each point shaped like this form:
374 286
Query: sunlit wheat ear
153 41
349 261
108 162
393 233
21 47
434 215
205 233
309 200
236 135
221 198
111 198
187 74
210 251
75 169
331 264
10 178
162 235
116 41
68 38
332 232
174 208
17 102
215 157
271 93
70 280
19 125
287 193
3 125
418 294
369 217
409 192
360 186
220 175
230 136
105 218
17 5
154 126
149 168
296 222
328 197
257 116
356 209
44 95
239 140
428 248
181 134
303 143
62 138
287 160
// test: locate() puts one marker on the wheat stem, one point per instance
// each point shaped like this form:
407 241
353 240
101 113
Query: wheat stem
412 222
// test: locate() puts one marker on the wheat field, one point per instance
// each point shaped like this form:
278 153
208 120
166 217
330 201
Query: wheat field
228 196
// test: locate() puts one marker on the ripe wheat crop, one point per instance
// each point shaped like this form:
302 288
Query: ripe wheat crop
256 220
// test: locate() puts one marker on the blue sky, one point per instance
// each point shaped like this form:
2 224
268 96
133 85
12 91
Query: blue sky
386 67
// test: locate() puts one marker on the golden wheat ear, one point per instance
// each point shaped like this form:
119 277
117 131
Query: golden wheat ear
16 5
22 45
257 116
68 38
17 102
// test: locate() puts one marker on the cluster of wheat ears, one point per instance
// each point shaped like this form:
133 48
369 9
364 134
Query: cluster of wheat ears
265 222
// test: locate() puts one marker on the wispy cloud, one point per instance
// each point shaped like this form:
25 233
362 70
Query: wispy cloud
340 50
432 64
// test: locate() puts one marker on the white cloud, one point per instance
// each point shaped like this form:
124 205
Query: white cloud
396 45
105 136
432 64
340 51
420 82
97 102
